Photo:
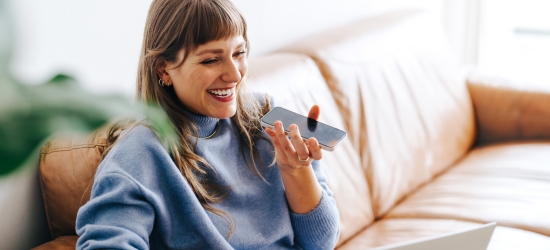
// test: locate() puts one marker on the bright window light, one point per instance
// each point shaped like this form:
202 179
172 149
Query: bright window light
515 40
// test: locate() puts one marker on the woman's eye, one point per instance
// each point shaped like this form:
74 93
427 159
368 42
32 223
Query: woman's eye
240 53
209 61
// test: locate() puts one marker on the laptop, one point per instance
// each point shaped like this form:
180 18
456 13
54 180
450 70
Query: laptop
476 238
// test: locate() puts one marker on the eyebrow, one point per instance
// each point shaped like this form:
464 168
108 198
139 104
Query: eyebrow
213 51
216 51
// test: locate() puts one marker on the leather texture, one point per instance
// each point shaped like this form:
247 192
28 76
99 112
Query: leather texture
297 84
506 183
408 111
506 112
66 171
390 231
60 243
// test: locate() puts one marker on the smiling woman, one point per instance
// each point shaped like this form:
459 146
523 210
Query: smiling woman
207 80
225 184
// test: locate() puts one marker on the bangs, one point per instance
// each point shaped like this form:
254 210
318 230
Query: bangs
176 25
213 21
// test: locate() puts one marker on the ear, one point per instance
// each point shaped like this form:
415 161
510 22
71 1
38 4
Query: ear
162 73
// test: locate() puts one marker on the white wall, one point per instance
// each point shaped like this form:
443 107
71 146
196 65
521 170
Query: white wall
274 24
461 23
97 41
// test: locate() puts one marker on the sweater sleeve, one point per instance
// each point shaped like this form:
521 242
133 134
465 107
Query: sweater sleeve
121 210
320 228
118 217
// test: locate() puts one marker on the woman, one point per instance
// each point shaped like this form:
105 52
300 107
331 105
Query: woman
222 186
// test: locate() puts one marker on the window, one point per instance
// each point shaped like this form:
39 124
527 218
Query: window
515 40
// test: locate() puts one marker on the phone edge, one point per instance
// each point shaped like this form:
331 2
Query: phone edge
266 125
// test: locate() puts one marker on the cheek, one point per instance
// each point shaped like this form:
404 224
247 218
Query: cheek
244 67
185 85
202 80
192 81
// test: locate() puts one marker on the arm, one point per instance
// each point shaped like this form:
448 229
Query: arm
319 228
301 186
315 216
504 112
117 216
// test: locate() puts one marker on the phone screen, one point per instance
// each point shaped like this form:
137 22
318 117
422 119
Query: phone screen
329 137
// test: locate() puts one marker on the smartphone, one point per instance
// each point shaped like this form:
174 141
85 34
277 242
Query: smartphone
328 137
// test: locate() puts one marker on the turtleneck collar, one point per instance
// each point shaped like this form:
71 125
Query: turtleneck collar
206 125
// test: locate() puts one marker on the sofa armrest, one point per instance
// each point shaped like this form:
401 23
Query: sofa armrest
61 243
507 111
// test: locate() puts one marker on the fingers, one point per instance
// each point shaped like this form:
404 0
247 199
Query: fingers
299 144
286 145
282 145
296 151
314 112
274 138
314 149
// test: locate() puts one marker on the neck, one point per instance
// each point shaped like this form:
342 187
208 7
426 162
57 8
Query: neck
206 125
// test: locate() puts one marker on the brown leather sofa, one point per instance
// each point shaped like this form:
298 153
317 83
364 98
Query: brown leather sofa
429 151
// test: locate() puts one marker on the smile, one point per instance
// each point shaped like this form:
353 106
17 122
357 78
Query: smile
222 93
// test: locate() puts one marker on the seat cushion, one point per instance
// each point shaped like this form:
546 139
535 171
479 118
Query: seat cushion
390 231
506 183
66 170
296 84
407 109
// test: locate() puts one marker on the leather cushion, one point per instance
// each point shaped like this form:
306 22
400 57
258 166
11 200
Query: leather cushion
506 183
61 243
66 170
406 106
390 231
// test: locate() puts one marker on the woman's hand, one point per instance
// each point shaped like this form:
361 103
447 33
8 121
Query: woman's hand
294 153
294 157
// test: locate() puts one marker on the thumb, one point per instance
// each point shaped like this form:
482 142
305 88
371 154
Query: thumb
314 112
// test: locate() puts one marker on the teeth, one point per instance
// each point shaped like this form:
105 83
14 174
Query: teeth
222 93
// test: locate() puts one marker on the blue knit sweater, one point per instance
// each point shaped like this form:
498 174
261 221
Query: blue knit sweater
140 200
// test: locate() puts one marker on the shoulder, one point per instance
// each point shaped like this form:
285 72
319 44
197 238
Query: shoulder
137 137
138 132
137 149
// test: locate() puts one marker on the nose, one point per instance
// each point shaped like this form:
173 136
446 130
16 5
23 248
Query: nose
231 71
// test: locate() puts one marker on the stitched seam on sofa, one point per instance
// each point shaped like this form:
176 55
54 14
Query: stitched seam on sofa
59 149
40 178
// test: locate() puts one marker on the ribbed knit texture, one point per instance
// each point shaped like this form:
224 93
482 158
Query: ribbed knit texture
140 200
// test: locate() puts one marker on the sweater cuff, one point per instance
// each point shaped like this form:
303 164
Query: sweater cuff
320 228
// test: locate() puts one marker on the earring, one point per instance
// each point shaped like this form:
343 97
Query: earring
161 82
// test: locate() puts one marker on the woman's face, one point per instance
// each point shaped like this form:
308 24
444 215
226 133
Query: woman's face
207 81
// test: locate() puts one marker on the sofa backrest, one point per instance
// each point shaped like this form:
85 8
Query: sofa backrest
296 83
406 107
66 170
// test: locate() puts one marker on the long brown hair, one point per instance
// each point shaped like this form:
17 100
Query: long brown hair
173 25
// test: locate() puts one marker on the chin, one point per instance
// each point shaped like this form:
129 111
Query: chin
226 114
